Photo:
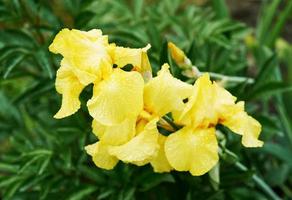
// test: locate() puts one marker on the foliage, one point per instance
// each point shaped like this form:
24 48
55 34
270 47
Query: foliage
44 158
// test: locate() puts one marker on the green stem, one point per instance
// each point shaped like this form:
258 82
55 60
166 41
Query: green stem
235 79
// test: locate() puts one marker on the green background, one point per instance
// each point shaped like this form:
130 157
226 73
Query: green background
44 158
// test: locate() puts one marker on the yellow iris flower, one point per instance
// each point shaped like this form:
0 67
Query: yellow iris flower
211 104
128 106
89 58
147 144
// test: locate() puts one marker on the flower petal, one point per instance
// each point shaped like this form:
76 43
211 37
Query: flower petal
165 93
243 124
192 150
224 99
100 156
86 52
69 86
117 98
141 148
199 110
136 57
116 134
160 163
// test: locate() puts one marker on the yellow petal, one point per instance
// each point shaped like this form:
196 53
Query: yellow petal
140 125
224 99
160 163
100 156
199 110
141 148
69 86
86 52
136 57
242 124
192 150
165 93
115 134
117 98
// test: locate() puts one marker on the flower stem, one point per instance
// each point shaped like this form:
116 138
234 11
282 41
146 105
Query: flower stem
195 73
235 79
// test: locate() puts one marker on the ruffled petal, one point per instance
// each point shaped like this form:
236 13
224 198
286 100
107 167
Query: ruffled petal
116 134
86 52
136 57
192 150
238 121
141 148
69 86
160 163
117 98
199 110
165 93
100 156
223 100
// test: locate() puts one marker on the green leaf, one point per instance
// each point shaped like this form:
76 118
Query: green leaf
220 8
29 163
15 62
138 7
83 193
5 167
280 22
42 58
278 151
266 70
153 180
10 180
12 190
44 165
268 11
271 88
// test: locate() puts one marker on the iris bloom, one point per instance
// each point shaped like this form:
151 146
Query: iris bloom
194 147
89 58
138 141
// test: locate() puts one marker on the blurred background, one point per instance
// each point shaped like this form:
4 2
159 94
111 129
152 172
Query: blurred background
44 158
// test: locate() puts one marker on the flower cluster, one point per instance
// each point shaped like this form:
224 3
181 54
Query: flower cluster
141 119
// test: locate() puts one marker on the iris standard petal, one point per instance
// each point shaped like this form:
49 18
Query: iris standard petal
137 57
117 98
199 110
86 52
192 150
165 93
